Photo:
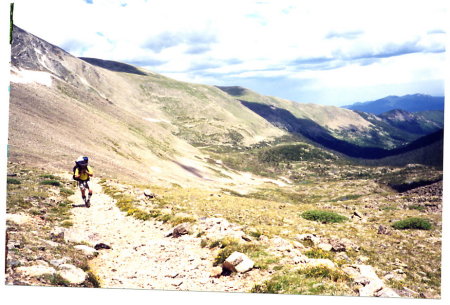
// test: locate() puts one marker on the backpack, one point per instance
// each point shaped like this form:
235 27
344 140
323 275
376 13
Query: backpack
80 165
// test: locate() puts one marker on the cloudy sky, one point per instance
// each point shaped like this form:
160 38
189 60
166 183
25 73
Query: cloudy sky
325 52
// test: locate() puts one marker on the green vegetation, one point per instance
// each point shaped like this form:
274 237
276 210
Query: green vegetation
293 152
319 253
51 182
12 181
308 281
323 216
416 223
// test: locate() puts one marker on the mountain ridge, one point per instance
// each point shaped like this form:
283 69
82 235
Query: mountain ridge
411 102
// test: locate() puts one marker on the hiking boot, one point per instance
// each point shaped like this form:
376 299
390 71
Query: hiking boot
88 203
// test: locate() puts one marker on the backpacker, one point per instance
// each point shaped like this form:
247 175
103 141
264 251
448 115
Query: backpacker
81 163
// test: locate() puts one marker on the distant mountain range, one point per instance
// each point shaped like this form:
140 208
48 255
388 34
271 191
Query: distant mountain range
411 103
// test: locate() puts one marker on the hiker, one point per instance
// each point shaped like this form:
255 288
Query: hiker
82 172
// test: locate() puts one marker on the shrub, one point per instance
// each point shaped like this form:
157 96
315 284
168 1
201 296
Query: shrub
51 182
12 181
318 253
412 223
323 216
66 191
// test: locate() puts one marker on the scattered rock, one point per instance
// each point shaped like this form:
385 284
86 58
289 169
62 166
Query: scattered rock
386 293
343 256
383 230
181 229
19 219
72 274
238 262
58 262
216 272
365 276
337 245
149 194
300 259
101 246
311 237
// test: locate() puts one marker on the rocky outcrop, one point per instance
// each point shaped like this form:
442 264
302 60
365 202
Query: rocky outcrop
369 282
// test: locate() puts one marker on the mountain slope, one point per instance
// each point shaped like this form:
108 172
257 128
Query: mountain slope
411 103
410 122
137 125
355 127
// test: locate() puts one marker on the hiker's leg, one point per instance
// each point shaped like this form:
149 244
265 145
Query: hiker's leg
83 191
88 202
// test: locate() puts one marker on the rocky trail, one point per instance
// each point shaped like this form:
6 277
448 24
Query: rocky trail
141 256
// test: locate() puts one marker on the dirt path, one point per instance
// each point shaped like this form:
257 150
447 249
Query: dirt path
141 257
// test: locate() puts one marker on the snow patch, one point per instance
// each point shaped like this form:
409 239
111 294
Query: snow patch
28 76
156 169
156 120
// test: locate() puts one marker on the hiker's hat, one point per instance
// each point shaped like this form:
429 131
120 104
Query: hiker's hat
80 159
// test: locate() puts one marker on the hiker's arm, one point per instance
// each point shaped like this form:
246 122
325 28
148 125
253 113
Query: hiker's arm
77 173
90 172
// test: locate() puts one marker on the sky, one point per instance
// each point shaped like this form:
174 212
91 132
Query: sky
322 52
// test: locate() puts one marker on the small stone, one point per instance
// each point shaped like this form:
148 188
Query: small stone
383 230
173 274
216 272
303 237
177 283
149 194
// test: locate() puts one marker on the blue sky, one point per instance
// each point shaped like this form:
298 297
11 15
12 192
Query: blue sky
324 52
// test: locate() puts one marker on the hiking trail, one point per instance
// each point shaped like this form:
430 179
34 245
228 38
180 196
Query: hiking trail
141 256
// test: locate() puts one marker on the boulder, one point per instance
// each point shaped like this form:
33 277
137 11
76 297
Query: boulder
38 269
280 244
88 251
181 229
337 245
238 262
71 273
325 246
101 246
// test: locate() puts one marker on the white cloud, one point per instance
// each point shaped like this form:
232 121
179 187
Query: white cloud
211 41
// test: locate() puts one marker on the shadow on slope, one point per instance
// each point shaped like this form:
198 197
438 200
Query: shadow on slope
286 120
113 65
